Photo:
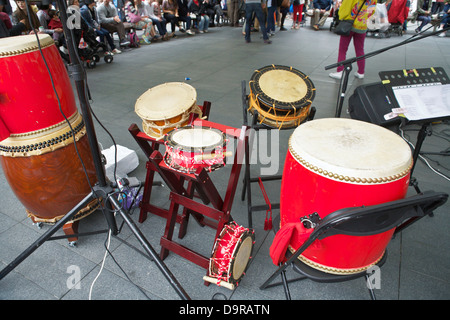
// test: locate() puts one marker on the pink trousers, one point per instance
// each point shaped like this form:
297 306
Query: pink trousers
358 43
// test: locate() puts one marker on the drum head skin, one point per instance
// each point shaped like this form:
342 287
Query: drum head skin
343 148
10 46
197 138
166 101
192 139
283 87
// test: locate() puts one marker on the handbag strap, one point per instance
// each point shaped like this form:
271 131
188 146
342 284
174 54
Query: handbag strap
364 1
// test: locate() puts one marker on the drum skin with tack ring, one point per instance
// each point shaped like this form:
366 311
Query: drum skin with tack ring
191 147
281 95
38 128
340 163
231 255
166 107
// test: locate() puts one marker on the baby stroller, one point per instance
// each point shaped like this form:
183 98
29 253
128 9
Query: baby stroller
88 48
378 24
85 39
335 21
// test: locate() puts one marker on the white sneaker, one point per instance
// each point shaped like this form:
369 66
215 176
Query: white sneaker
359 75
442 34
189 31
116 51
336 75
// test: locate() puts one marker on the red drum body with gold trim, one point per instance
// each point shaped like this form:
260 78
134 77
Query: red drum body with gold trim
37 151
338 163
191 147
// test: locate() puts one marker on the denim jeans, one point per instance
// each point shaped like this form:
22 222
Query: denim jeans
271 18
257 9
203 24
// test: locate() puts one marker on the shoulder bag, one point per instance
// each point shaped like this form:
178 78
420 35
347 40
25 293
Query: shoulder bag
345 26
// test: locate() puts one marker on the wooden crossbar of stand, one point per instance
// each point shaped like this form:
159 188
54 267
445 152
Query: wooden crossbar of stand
215 211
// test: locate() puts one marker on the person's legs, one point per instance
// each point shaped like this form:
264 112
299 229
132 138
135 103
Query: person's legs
249 8
344 42
262 22
358 43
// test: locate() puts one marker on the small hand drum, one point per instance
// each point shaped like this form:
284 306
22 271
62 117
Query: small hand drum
281 95
189 148
166 107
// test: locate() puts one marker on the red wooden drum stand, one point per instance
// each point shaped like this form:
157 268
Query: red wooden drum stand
338 163
38 128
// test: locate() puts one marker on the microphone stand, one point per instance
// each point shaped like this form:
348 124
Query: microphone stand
102 188
348 65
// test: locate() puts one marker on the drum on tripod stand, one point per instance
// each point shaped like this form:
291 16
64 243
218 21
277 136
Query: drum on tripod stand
44 150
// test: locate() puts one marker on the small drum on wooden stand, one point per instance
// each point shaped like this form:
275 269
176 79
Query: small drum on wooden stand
230 256
339 163
38 154
166 107
189 148
281 95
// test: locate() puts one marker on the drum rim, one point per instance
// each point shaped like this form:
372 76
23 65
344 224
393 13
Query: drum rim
168 141
27 44
266 100
247 233
189 104
348 175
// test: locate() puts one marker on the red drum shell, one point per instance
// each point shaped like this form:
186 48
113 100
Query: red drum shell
185 144
305 191
37 151
27 99
231 254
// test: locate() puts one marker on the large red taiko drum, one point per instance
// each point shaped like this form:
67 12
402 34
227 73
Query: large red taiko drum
338 163
37 149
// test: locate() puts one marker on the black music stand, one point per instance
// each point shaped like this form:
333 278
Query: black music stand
415 77
348 65
102 188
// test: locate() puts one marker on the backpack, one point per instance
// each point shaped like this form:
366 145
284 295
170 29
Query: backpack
134 39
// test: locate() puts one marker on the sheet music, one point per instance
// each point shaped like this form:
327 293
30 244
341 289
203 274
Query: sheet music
423 101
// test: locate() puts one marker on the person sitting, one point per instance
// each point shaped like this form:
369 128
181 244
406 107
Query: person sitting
445 21
5 25
56 25
90 16
146 10
139 22
422 14
217 14
183 15
170 13
199 9
322 9
110 20
44 19
20 17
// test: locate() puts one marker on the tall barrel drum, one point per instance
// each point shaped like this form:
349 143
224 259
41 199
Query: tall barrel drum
339 163
37 150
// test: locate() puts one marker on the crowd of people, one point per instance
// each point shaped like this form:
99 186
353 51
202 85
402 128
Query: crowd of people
159 19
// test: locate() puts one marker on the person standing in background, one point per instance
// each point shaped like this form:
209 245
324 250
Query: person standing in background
349 11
